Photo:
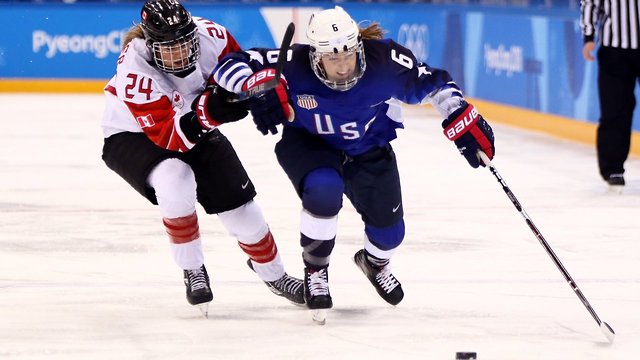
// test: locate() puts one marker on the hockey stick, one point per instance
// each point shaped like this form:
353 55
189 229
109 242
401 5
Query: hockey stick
604 327
271 84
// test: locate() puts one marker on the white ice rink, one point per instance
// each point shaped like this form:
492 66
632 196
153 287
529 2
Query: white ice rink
86 272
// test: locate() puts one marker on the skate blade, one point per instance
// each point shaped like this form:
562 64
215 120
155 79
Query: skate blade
616 189
204 309
319 316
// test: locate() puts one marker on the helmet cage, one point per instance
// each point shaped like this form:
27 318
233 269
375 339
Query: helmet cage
171 35
333 31
177 55
320 72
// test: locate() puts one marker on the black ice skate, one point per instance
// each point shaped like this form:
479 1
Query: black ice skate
316 293
387 286
198 290
616 182
287 286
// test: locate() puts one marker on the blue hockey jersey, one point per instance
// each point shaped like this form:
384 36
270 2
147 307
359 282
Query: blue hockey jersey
363 117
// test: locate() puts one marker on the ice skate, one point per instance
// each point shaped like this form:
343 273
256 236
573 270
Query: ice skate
287 286
387 286
616 183
316 293
198 290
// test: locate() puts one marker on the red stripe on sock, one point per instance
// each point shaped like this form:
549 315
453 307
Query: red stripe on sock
182 230
263 251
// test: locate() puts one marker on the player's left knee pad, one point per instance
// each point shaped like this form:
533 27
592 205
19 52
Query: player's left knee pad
246 223
386 238
322 192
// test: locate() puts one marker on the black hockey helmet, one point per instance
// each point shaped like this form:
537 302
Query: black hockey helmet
171 34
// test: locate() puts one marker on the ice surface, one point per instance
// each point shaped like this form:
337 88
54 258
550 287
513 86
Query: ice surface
86 273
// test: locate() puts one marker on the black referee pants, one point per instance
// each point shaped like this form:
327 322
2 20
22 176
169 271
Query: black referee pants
618 71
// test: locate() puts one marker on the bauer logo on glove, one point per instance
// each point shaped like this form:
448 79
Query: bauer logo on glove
271 107
462 123
260 78
471 133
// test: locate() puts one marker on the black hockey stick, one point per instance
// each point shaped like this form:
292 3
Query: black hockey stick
604 327
282 58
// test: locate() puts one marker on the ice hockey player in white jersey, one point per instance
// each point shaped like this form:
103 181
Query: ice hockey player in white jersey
160 128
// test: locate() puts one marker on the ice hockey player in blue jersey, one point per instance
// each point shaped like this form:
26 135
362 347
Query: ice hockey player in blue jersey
339 101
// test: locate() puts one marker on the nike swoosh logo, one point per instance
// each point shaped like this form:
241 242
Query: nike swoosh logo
244 186
396 208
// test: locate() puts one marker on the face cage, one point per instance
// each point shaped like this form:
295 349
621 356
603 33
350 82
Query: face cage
177 55
321 74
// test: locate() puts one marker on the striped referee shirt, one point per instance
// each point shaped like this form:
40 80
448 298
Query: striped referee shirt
618 22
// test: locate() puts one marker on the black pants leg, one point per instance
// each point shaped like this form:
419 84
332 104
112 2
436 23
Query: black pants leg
617 74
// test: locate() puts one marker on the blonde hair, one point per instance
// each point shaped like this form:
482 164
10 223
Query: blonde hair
372 31
134 32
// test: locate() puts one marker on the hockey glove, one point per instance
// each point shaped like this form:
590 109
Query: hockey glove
213 108
210 110
271 107
470 132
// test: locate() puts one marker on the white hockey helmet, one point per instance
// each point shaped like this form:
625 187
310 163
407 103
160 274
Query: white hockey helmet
333 31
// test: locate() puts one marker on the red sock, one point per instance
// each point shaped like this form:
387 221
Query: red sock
263 251
183 229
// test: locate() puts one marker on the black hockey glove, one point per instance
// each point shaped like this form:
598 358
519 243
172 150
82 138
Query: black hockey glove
470 132
213 107
271 107
210 110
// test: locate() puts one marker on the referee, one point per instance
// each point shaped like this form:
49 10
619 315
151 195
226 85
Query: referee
617 24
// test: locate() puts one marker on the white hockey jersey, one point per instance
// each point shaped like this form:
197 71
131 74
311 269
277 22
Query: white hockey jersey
143 98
